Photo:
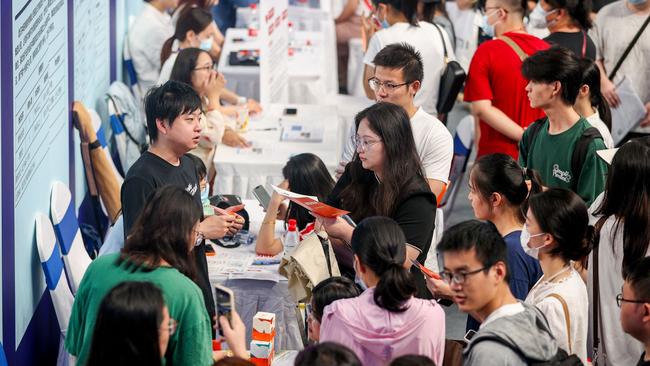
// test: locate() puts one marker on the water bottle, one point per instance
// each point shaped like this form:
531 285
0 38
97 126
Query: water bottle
254 24
291 239
242 114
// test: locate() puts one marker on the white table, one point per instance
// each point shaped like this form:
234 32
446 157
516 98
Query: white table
241 170
265 291
312 67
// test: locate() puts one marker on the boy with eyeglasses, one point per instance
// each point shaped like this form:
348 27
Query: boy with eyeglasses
397 78
634 301
511 332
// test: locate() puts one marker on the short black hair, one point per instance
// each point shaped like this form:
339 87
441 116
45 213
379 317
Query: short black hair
412 360
201 170
330 290
401 56
168 101
555 64
638 276
327 354
483 237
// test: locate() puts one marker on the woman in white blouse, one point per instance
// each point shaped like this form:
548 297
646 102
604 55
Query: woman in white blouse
556 233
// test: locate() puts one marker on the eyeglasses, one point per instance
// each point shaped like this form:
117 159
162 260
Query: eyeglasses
171 326
376 84
208 68
620 300
459 277
199 238
361 144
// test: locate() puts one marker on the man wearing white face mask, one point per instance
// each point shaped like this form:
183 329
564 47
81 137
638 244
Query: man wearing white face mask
557 233
494 86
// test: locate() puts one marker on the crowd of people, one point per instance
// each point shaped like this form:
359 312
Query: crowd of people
554 268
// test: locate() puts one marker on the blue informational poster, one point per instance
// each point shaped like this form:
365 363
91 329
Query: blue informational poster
40 134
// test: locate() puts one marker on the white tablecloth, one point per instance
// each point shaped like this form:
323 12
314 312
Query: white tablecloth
241 170
312 67
253 295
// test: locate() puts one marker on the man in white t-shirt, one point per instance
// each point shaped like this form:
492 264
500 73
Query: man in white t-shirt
146 37
400 26
397 78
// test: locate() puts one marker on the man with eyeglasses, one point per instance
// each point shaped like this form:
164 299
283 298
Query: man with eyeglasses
397 78
511 332
634 301
495 86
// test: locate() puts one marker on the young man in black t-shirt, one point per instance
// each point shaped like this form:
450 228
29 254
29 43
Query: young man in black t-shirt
173 122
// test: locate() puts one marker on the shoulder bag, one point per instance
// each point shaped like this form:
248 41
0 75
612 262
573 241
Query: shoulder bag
451 81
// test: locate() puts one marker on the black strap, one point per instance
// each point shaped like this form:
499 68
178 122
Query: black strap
532 131
596 288
629 48
442 38
580 151
326 250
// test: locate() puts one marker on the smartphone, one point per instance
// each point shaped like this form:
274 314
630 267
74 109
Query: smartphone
224 299
427 272
262 196
290 111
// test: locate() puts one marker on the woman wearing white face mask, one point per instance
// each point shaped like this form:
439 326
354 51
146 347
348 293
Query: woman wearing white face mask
557 233
568 21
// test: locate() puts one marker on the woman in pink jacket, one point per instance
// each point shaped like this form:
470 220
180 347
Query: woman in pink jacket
385 321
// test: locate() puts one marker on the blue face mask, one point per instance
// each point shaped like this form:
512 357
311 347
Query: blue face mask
204 194
486 27
637 2
385 24
206 44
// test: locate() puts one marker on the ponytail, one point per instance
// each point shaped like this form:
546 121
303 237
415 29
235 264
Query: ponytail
166 50
604 111
194 19
379 244
591 78
395 287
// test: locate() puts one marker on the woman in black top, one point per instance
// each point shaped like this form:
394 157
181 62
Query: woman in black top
385 178
568 21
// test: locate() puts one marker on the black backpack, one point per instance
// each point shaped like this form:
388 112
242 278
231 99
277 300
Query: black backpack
579 152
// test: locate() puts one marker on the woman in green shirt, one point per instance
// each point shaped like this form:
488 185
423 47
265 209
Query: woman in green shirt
157 251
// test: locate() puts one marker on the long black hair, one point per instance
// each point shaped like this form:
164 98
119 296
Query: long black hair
402 170
627 198
193 19
380 244
406 7
126 328
579 11
185 64
308 175
500 173
563 214
163 232
591 78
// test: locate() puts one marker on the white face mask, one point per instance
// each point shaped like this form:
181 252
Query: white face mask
537 17
525 243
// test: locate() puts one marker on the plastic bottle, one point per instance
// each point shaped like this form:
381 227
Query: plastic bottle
254 24
242 114
291 238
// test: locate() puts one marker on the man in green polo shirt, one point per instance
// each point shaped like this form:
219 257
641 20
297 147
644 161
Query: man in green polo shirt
554 145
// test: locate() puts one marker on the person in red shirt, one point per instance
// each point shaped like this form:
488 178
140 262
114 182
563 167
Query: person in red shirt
495 86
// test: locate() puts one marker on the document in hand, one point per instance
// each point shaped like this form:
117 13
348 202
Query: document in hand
311 203
629 112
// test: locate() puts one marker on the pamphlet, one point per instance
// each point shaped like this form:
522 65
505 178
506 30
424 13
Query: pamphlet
298 132
311 203
629 112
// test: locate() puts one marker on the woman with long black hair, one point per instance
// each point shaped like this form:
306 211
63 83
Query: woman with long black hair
386 321
158 250
623 221
385 178
304 174
591 104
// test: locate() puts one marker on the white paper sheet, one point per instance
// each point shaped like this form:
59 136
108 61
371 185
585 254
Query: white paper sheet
629 113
